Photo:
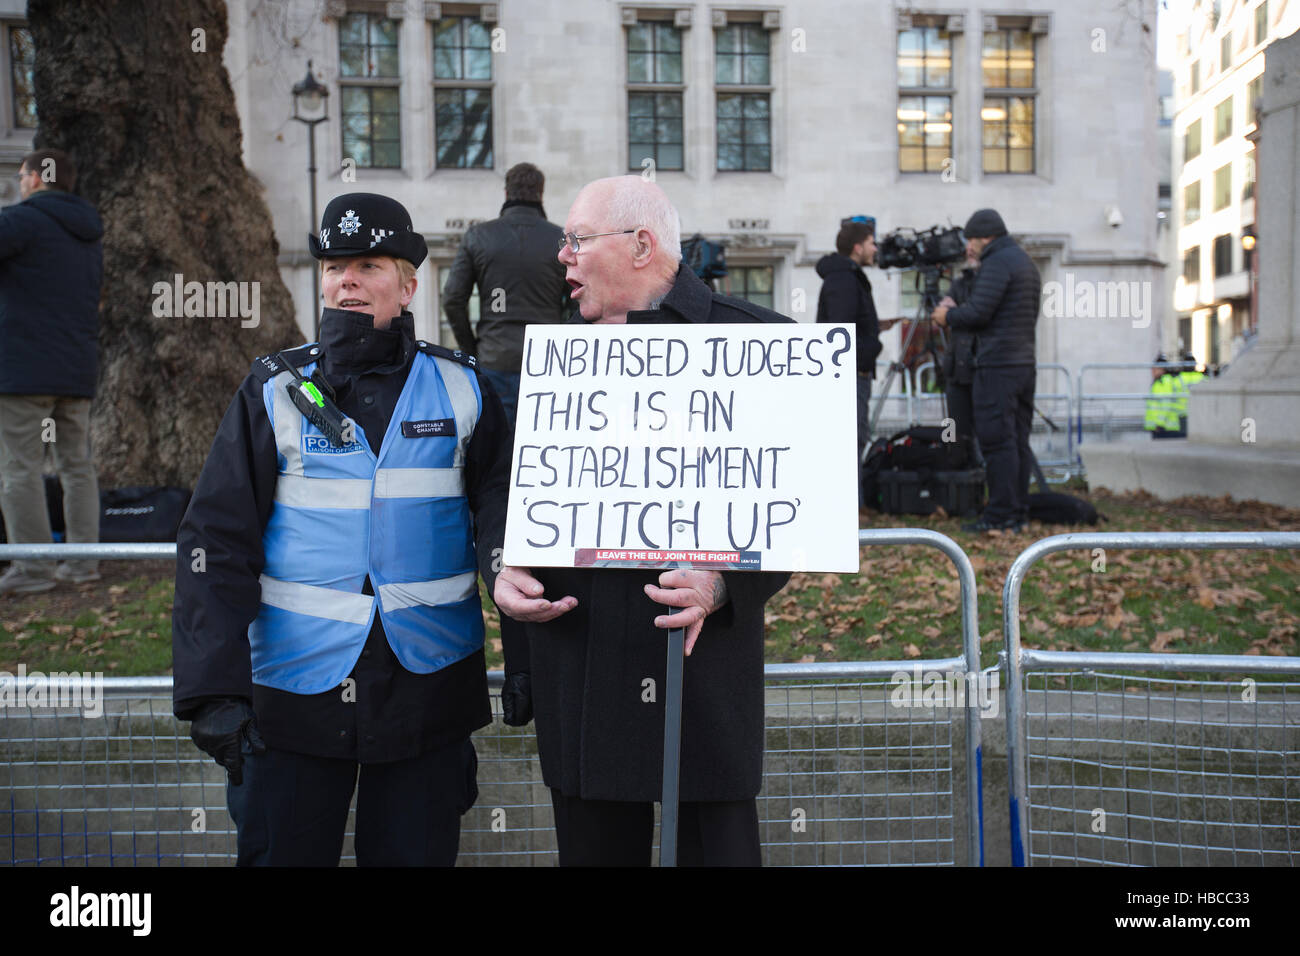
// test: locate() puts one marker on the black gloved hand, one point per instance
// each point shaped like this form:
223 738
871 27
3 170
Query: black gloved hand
219 730
517 698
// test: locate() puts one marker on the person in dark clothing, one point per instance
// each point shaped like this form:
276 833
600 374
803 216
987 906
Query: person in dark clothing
512 261
1002 311
845 299
327 610
958 365
51 266
597 634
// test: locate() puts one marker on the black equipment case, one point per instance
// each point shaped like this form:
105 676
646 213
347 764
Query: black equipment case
916 472
924 492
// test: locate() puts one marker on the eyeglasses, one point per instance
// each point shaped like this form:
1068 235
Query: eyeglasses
572 241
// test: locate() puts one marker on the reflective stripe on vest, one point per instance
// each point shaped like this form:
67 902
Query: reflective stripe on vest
342 515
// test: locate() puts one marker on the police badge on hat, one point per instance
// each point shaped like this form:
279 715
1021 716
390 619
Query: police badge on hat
358 224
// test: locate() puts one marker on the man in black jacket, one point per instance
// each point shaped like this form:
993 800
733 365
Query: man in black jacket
596 635
327 611
845 299
512 261
51 264
1002 311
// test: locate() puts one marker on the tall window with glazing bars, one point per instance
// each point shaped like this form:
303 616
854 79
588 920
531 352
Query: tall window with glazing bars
925 92
654 95
369 82
22 56
743 76
462 96
1007 116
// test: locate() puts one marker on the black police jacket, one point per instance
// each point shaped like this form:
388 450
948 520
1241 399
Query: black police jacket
392 714
1002 308
599 737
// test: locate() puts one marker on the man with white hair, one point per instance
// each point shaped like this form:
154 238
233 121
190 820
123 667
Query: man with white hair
596 635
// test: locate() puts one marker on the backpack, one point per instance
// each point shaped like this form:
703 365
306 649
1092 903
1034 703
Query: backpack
922 447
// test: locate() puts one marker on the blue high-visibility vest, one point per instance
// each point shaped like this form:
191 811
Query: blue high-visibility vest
341 514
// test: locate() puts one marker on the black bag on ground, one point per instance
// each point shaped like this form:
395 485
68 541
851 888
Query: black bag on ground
139 513
142 513
919 449
1054 507
922 446
924 492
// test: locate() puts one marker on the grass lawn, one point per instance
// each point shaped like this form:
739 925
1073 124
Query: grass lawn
902 604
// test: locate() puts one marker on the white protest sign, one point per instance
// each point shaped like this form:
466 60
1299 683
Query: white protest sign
711 446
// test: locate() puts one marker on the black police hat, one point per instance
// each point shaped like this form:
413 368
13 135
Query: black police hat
358 224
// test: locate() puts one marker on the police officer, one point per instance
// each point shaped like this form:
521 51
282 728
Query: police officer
1161 418
1188 375
327 612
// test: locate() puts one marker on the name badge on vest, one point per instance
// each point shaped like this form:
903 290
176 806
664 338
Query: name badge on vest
430 428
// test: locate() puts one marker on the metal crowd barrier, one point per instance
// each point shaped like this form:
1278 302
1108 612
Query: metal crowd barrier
930 407
850 777
1180 772
1109 422
1050 454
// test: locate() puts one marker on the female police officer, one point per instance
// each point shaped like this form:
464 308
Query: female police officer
327 610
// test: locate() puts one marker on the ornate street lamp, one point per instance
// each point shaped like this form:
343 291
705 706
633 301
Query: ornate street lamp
309 107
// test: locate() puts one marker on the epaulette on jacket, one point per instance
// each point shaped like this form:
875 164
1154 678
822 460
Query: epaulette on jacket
267 367
456 355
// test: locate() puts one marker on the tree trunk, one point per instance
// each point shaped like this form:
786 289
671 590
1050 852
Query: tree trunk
152 127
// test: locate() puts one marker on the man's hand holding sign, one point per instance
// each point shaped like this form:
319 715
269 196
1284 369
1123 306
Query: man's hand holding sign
698 593
674 458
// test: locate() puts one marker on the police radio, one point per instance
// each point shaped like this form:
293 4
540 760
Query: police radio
315 399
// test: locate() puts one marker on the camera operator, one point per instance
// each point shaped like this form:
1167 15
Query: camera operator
846 299
1002 311
958 364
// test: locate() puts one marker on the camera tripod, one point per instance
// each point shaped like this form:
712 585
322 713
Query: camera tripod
929 301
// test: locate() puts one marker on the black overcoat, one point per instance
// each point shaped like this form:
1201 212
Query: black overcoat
599 723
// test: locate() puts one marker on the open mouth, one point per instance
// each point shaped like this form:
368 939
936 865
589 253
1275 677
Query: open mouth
575 287
352 303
